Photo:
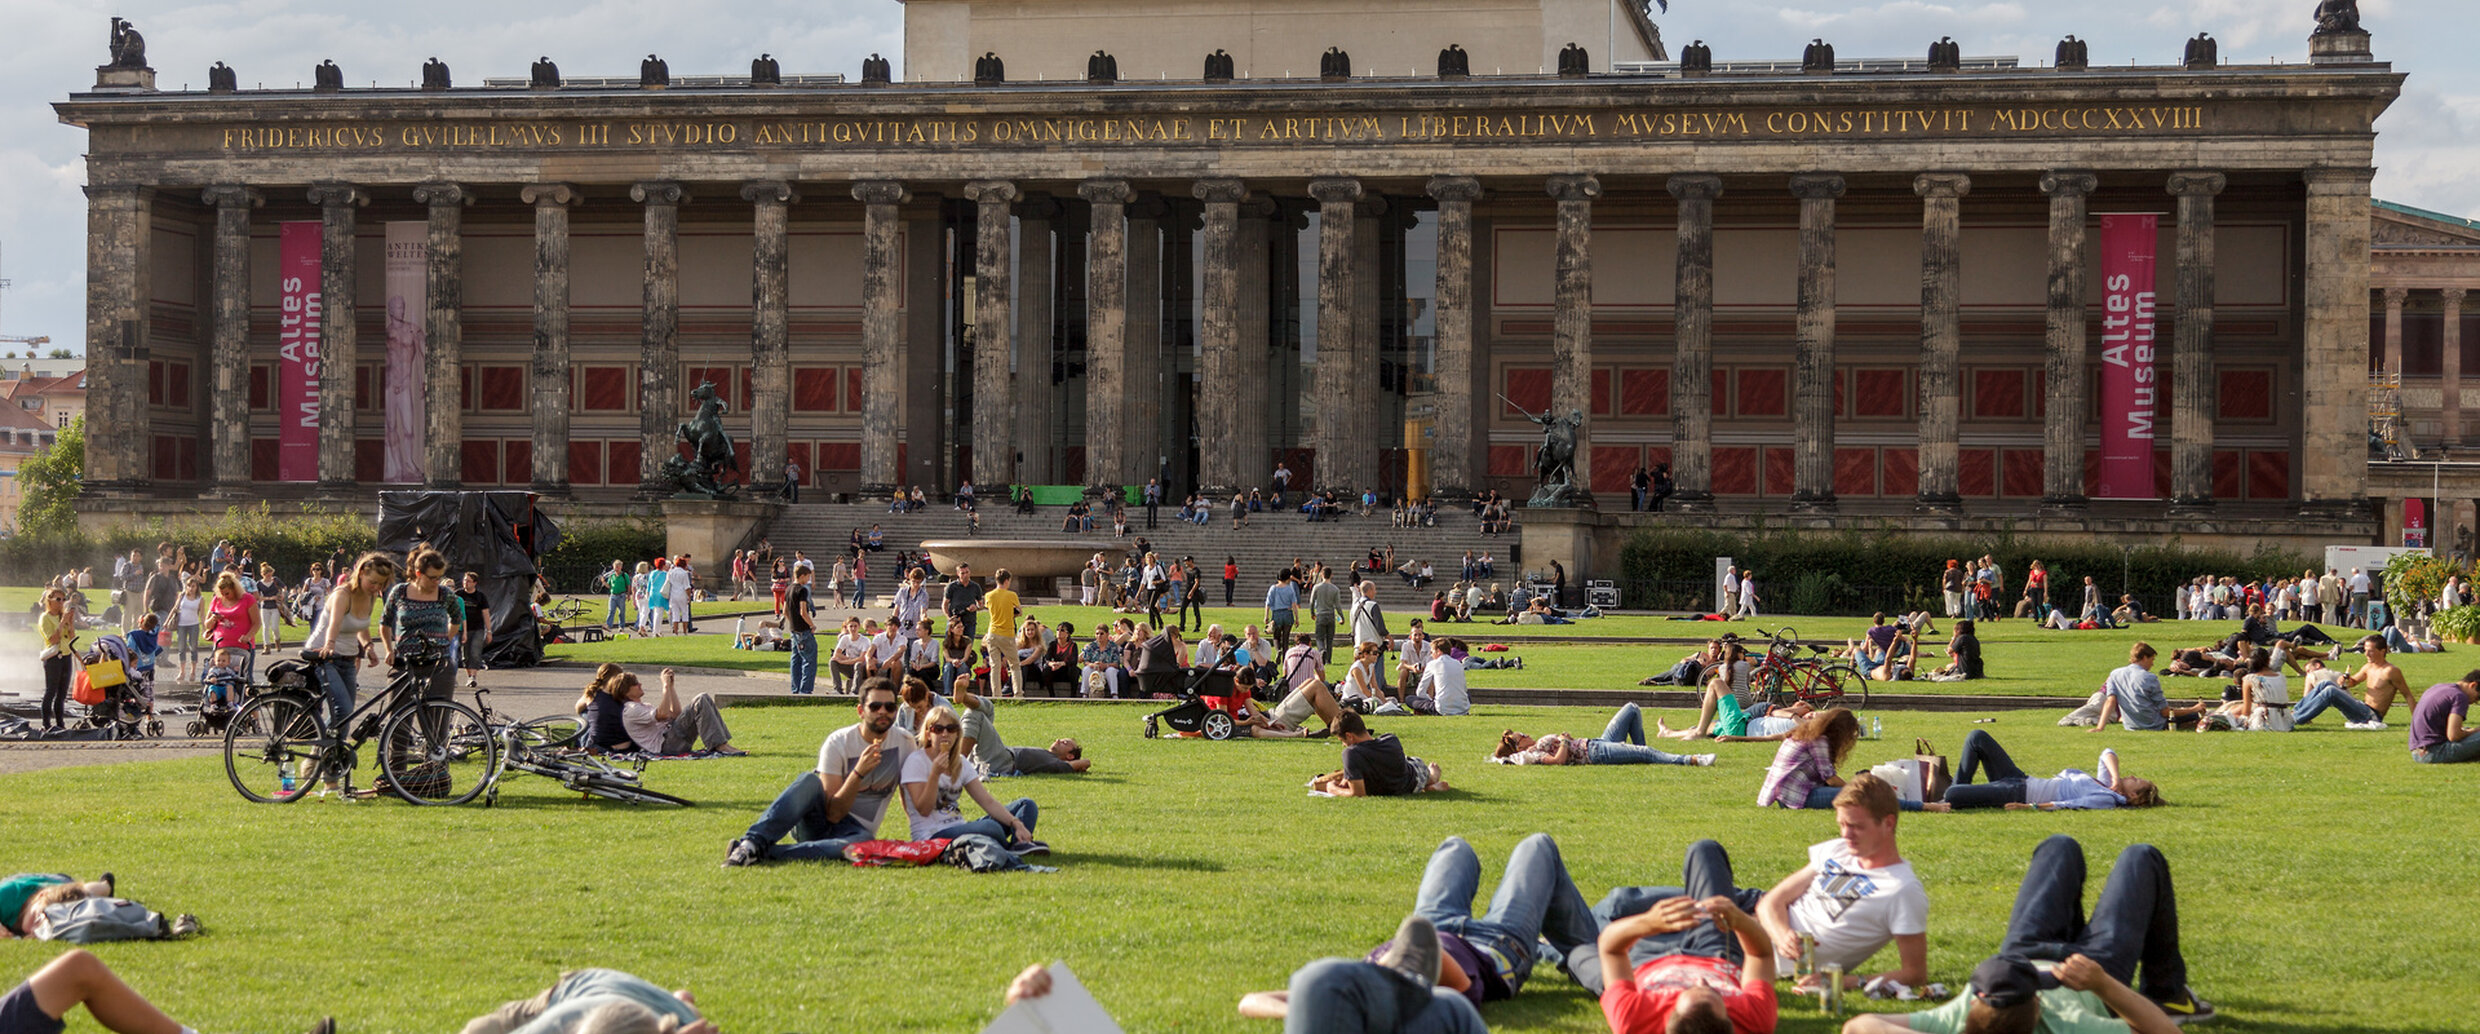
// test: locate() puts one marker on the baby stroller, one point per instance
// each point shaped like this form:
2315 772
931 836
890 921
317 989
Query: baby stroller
127 709
1197 715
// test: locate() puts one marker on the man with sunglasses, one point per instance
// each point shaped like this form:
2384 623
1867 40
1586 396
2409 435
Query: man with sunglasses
843 801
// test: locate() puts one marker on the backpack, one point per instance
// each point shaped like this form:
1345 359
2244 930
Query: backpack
95 920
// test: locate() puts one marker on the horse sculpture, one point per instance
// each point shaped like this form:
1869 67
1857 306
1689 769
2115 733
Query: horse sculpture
710 450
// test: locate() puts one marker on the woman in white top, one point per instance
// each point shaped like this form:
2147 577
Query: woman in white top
339 643
852 653
1364 679
837 576
2264 703
939 776
187 612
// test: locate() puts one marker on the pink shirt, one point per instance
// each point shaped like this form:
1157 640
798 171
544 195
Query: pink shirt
235 620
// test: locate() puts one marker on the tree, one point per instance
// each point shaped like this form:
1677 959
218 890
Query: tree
60 353
50 481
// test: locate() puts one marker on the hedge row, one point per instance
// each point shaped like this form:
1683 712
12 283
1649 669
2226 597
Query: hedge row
1851 572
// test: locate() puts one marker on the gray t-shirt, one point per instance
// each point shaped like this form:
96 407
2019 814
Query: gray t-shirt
983 730
2140 699
579 994
842 751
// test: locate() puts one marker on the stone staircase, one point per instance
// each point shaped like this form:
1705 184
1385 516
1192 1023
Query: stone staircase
1270 542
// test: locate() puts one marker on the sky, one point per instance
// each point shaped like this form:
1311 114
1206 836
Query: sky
2428 142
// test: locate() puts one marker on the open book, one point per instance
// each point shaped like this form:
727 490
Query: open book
1068 1009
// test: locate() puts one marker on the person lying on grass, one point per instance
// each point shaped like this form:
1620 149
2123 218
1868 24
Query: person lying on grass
1376 766
981 740
2010 787
1696 961
597 1001
1401 992
1726 687
2058 971
41 1004
1485 958
19 908
1802 774
842 801
1622 742
942 772
1690 670
1312 700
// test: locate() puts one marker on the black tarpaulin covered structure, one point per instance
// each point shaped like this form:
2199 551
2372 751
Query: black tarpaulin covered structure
498 535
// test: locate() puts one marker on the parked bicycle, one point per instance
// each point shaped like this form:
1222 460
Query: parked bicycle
279 745
1821 679
547 747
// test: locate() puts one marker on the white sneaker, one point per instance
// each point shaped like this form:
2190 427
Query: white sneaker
2371 725
1701 760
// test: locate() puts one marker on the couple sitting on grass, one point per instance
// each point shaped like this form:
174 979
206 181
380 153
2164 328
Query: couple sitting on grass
860 766
1703 956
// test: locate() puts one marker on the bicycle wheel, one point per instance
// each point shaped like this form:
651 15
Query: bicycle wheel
1840 686
630 792
272 747
550 732
425 761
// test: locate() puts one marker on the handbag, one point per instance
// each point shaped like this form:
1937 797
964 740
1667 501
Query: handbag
1936 776
107 672
84 691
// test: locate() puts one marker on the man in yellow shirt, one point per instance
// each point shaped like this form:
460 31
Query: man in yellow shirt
999 646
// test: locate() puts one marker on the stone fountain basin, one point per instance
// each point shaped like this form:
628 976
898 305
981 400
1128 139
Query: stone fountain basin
1024 558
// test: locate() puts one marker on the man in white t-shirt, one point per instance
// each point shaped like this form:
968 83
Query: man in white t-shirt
887 654
859 767
668 727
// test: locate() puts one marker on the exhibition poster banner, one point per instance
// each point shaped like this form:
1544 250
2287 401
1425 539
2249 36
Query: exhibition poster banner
298 343
2130 381
408 301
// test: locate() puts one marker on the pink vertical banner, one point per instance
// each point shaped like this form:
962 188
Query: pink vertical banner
2130 381
298 342
2415 523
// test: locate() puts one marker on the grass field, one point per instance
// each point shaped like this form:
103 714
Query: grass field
1193 872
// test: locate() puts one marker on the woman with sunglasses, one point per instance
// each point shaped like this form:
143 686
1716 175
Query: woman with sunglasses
939 775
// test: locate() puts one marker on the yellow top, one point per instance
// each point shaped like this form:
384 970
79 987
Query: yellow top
1002 604
52 624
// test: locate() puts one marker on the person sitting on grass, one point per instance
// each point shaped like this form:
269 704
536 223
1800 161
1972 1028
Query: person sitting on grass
1726 682
1963 655
2129 612
981 739
938 775
885 656
605 727
1802 773
668 728
2263 703
919 700
1622 742
1376 766
2010 787
1690 670
41 1003
2133 693
843 800
1442 679
1364 687
1313 699
1691 961
2058 971
1489 957
2381 682
1248 721
2439 733
1403 991
850 662
600 1001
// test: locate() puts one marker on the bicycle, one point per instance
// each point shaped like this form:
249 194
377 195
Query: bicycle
280 743
1783 677
546 747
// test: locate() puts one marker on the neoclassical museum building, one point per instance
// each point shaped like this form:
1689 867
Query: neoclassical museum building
1089 242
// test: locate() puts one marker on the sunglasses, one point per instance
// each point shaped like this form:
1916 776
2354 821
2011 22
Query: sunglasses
889 707
945 728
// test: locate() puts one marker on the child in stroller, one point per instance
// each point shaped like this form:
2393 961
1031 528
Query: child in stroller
226 688
127 709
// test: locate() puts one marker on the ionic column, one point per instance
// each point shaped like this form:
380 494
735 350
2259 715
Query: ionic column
338 345
119 226
1333 387
2394 297
770 327
658 353
1254 463
230 407
1941 336
882 295
2452 414
1571 341
2192 384
1106 335
1218 338
2062 437
994 325
1142 373
1812 357
443 331
1692 357
1035 273
2334 357
548 375
1451 471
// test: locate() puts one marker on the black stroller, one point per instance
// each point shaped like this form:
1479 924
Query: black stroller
1193 716
127 709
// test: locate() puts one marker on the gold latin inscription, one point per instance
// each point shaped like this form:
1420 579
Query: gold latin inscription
1822 124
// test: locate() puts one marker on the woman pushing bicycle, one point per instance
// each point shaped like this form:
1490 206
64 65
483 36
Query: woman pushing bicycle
420 619
339 642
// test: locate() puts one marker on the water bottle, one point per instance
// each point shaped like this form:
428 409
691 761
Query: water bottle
284 776
1877 728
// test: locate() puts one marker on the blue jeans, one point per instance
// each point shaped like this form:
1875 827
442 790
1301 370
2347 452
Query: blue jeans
1705 873
2136 919
2450 753
2331 695
861 592
341 678
1349 996
1623 743
1983 757
1822 797
1023 808
1535 899
801 812
618 613
804 662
